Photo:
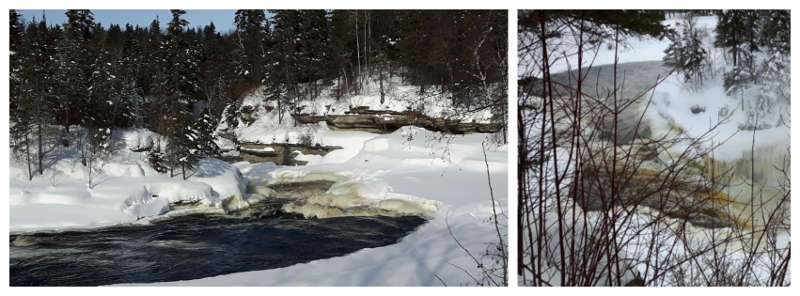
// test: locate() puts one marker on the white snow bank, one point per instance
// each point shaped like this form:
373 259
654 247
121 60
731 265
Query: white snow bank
225 179
449 171
124 189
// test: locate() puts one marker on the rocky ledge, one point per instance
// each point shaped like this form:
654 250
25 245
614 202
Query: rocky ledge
384 121
280 154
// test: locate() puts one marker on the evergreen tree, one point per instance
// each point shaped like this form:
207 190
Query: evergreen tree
746 32
204 127
97 113
731 32
775 33
216 70
340 54
179 92
20 91
16 59
77 56
251 38
686 52
129 109
311 53
281 85
153 60
37 93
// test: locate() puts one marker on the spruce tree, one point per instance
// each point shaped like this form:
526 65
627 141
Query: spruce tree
130 106
179 93
204 126
250 37
215 70
21 107
731 32
76 60
281 85
313 35
686 52
38 89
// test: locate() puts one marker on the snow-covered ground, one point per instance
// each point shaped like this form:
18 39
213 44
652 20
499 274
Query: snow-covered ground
410 161
125 190
412 170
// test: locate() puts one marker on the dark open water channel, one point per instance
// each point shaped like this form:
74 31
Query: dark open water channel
191 247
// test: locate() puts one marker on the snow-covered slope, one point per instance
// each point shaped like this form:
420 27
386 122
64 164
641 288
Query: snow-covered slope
266 128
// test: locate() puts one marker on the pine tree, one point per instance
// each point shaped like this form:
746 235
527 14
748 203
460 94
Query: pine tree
775 31
156 158
96 145
129 109
37 92
686 52
281 85
204 127
251 40
731 32
746 32
311 53
76 59
16 60
153 59
216 70
21 107
774 71
339 51
179 92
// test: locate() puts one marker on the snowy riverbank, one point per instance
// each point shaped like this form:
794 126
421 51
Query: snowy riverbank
412 164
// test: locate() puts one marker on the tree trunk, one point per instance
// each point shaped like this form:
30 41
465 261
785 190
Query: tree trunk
90 173
280 111
380 74
28 156
41 152
358 52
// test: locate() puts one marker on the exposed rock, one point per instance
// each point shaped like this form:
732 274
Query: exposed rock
24 241
183 204
246 114
261 190
297 190
385 121
357 118
281 154
697 109
234 203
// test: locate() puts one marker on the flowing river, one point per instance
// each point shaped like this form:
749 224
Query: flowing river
193 246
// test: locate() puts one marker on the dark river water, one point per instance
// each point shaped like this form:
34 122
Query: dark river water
193 246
